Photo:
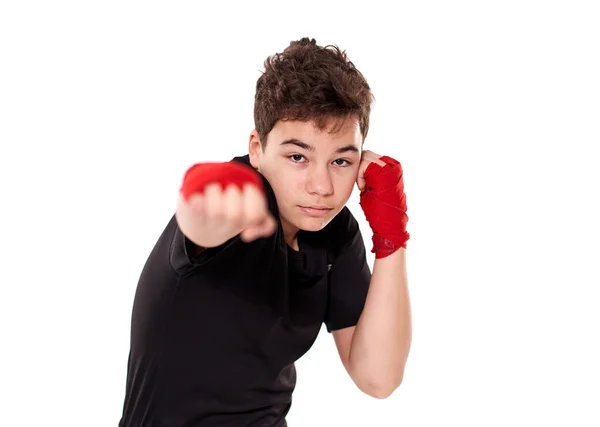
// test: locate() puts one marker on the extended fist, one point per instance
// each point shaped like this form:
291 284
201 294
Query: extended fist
223 200
232 211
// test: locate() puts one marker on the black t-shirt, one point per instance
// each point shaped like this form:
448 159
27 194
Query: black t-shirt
214 337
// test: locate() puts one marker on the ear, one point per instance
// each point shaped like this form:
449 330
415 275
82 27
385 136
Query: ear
254 149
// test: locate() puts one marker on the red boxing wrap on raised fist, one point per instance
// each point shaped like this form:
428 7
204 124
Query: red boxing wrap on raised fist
384 203
226 173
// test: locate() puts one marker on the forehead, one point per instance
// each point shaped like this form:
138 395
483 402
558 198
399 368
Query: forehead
341 131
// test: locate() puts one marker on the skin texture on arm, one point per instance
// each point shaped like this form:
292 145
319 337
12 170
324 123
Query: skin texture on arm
375 351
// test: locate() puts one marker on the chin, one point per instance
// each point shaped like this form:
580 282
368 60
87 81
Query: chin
305 222
313 225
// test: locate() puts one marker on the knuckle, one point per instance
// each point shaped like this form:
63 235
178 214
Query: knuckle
233 206
214 205
232 191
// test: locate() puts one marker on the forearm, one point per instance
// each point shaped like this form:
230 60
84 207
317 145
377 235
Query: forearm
382 338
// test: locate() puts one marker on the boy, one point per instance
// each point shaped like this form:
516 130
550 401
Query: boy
262 251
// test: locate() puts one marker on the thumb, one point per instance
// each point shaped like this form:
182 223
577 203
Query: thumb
360 182
264 228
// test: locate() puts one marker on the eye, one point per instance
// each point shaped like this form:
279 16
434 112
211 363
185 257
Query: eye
298 158
342 162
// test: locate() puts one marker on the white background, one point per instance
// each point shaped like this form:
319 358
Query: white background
493 108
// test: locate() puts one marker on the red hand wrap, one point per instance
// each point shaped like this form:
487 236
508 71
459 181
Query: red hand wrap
202 174
384 203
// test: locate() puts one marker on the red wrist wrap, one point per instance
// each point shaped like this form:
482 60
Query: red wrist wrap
384 203
226 173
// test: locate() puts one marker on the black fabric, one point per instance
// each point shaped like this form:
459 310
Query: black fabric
214 337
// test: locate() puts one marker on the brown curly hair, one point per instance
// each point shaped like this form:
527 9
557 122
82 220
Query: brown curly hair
311 82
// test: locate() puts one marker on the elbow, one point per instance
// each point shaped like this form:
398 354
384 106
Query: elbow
381 389
383 392
377 380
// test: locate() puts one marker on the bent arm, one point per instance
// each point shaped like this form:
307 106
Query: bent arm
375 352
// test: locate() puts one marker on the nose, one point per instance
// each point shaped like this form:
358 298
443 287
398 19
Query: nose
319 181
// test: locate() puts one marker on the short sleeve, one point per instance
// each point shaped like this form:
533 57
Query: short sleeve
349 277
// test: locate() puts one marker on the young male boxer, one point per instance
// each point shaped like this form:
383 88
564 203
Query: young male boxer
262 251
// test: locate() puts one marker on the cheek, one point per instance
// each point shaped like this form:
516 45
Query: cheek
274 175
286 185
290 181
345 185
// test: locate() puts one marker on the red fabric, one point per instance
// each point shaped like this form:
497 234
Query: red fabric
384 203
201 174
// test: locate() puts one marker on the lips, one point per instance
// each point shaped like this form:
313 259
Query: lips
325 208
315 210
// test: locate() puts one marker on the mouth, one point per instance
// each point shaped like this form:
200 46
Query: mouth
316 210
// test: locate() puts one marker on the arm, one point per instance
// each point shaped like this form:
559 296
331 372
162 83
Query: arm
375 351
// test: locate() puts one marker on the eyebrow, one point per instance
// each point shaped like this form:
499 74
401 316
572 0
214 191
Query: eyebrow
308 147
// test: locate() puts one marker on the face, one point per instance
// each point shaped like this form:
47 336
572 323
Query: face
312 172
